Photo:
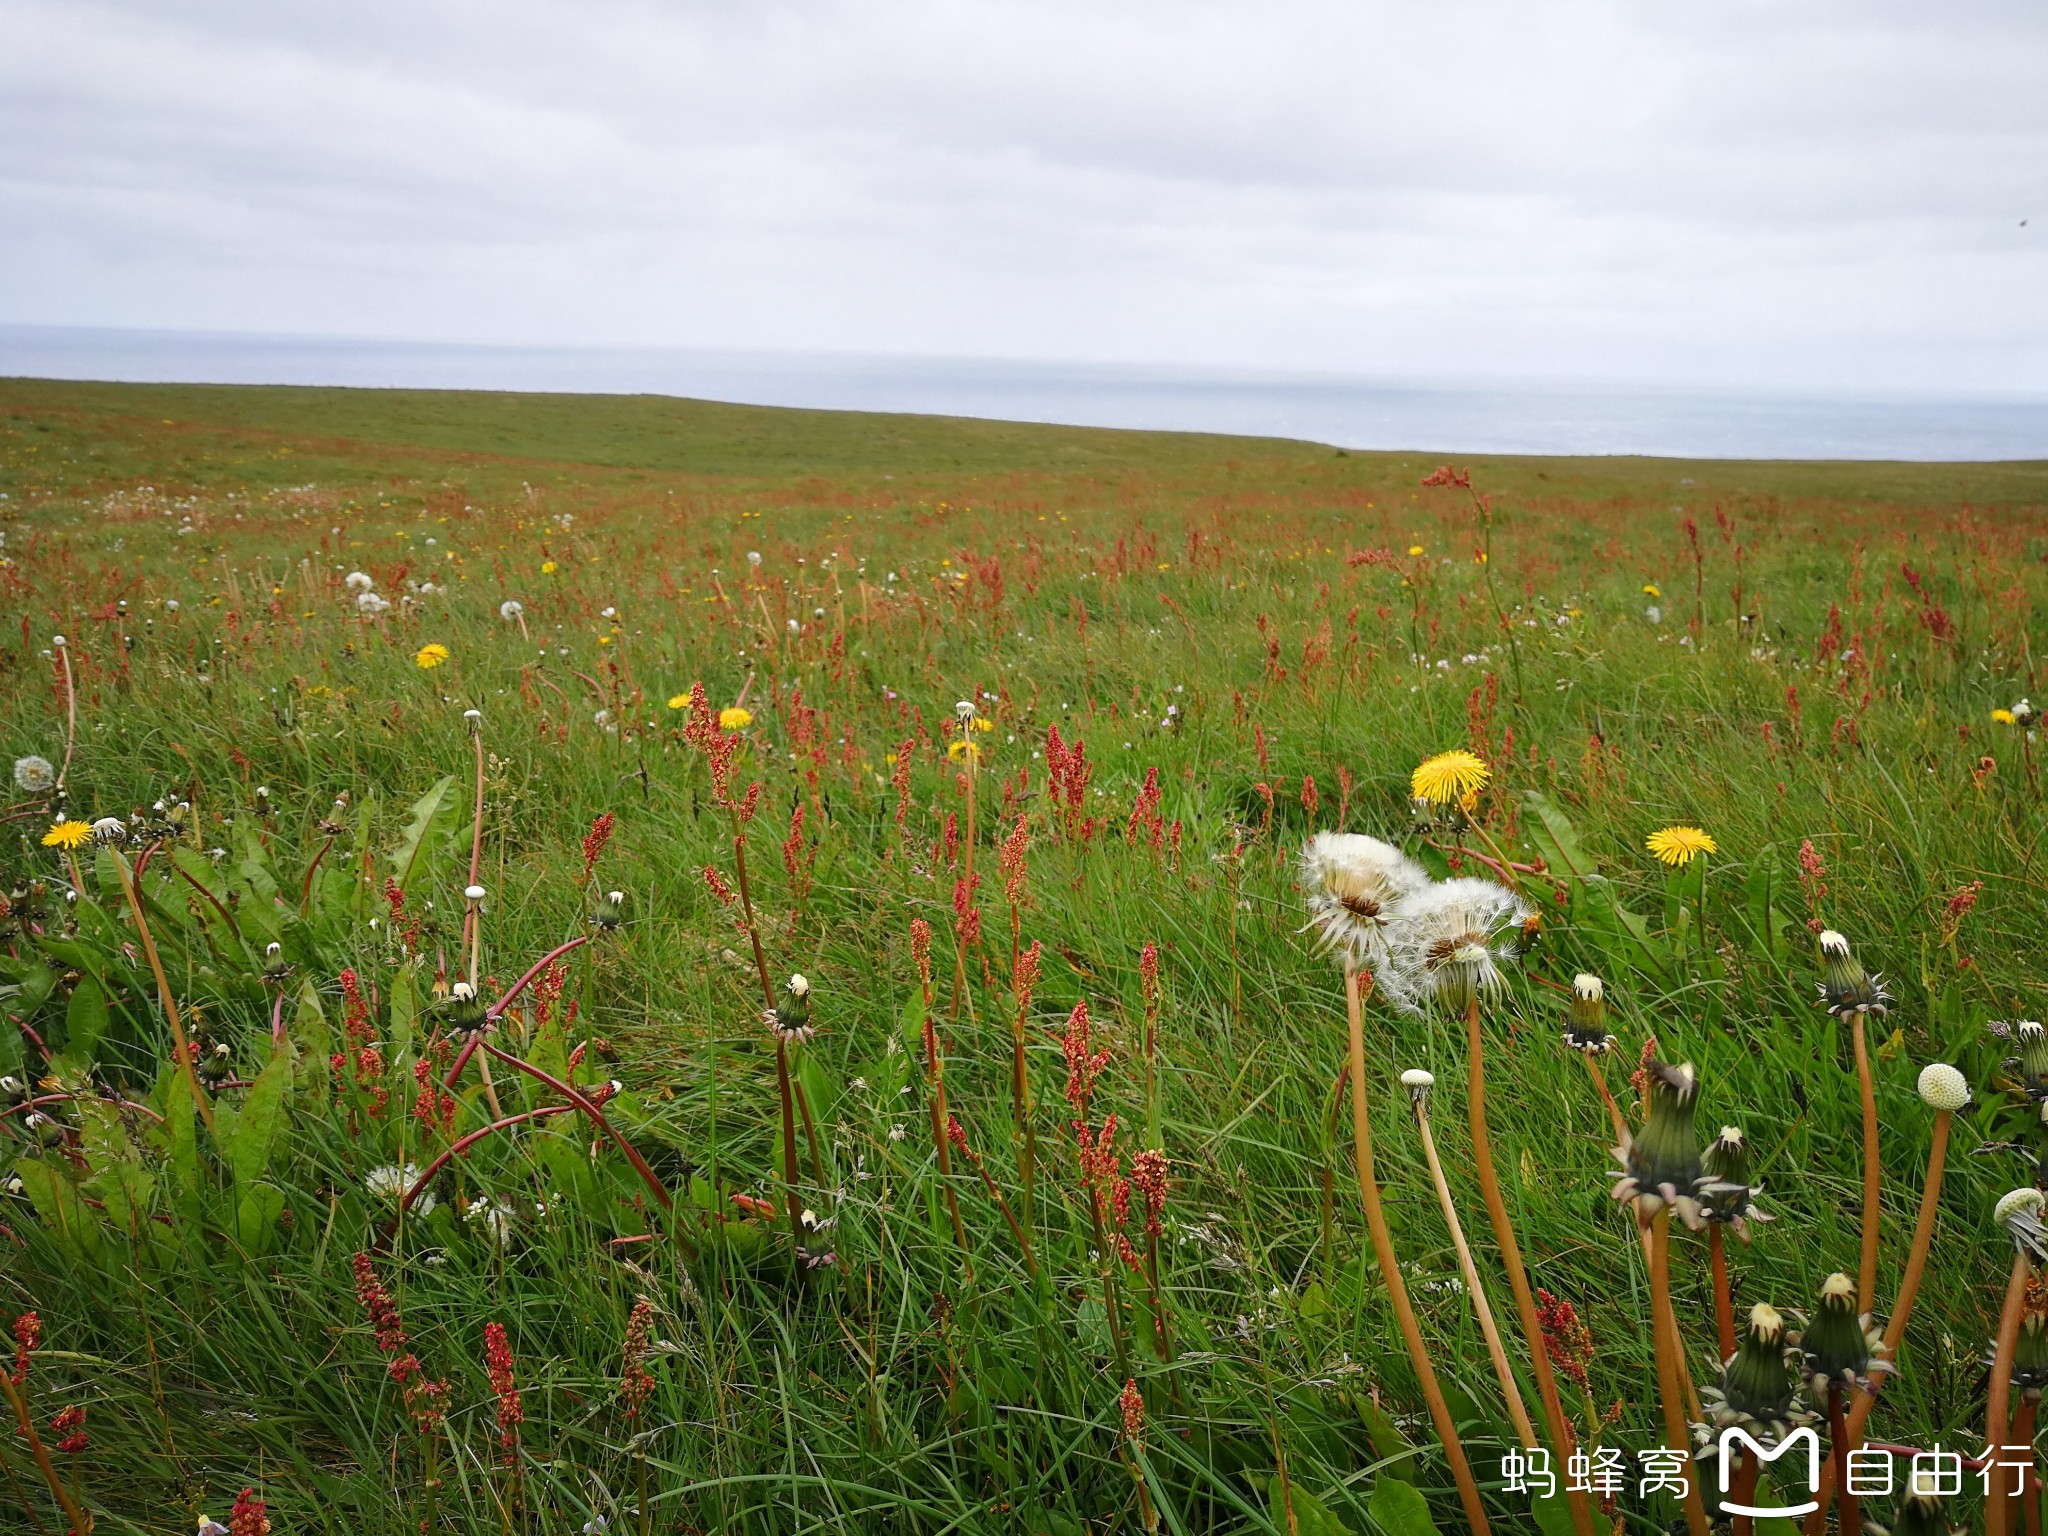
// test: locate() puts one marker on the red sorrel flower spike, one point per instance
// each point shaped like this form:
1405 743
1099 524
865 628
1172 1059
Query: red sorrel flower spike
1566 1340
593 842
28 1333
921 949
636 1386
1084 1064
1148 972
69 1427
498 1366
1010 862
1131 1404
248 1517
1025 978
1148 1177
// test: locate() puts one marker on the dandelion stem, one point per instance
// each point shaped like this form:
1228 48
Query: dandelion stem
1480 1306
1866 1277
1850 1519
1916 1263
1665 1332
1511 1255
1390 1268
595 1115
1724 1307
1997 1404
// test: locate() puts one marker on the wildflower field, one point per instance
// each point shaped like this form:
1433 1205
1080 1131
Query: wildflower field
626 965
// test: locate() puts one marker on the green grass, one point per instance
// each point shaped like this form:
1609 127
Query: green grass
1796 687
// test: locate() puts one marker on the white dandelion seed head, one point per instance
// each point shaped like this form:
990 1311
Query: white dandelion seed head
1450 942
358 581
1942 1087
473 893
1415 1080
1355 886
754 558
1833 943
370 604
462 992
1588 986
33 775
510 609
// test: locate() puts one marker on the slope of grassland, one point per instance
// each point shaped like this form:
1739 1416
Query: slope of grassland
1255 639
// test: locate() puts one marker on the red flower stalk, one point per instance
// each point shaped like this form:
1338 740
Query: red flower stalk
1145 817
1024 979
1084 1063
1309 799
1010 863
750 802
1148 974
594 840
498 1366
355 1009
900 777
719 888
377 1303
70 1425
966 915
1566 1340
636 1386
1131 1404
28 1333
247 1518
1148 1177
921 952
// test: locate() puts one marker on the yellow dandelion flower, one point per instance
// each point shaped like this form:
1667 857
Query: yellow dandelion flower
1449 776
1678 846
983 723
1414 549
2004 717
547 567
1650 589
679 701
963 751
68 835
734 718
430 656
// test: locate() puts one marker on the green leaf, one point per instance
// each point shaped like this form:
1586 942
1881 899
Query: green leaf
435 803
181 1133
1398 1510
248 1143
85 1021
1553 1514
1392 1447
256 1217
1552 834
312 1038
1312 1516
404 1010
66 1217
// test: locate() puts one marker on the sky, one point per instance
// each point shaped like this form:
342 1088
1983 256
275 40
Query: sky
1734 193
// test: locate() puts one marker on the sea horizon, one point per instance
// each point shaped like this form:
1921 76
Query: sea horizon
1563 417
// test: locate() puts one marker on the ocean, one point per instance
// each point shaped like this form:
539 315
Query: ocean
1429 417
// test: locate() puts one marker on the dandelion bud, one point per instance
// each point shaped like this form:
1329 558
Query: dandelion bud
466 1012
1661 1164
2020 1214
1844 985
1725 1194
964 709
472 893
2032 1061
1585 1025
610 912
1418 1083
1834 1345
2030 1355
46 1131
1943 1088
475 717
1755 1383
12 1089
790 1019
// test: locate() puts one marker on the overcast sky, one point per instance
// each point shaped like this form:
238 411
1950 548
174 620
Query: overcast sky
1774 193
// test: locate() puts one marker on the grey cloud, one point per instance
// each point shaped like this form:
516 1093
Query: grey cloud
1741 192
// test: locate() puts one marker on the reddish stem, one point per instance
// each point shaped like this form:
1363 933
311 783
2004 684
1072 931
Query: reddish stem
596 1115
521 984
457 1148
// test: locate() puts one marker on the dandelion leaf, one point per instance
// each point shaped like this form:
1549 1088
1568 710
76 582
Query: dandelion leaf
1398 1510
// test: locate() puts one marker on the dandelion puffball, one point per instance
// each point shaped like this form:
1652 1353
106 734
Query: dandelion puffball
1942 1087
473 892
1355 886
358 581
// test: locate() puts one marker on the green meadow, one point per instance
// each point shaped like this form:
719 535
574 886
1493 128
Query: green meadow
330 658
